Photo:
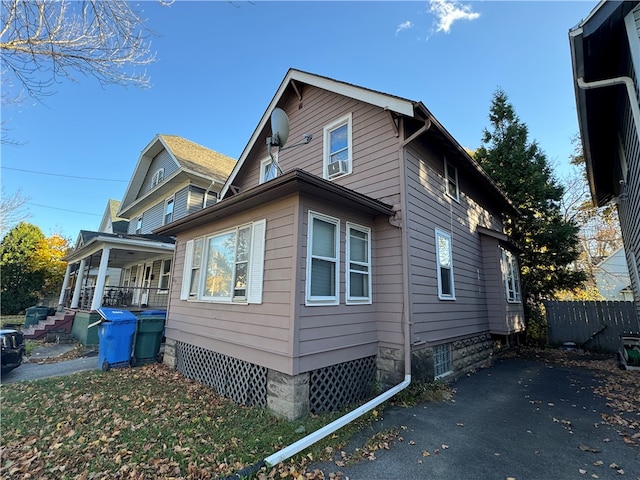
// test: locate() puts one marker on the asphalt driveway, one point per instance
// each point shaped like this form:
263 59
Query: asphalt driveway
519 419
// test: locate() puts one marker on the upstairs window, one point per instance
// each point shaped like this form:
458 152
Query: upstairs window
139 224
446 290
323 257
168 210
338 157
358 264
511 274
157 177
268 170
451 180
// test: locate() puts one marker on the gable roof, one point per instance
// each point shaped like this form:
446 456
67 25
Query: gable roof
189 157
392 103
118 224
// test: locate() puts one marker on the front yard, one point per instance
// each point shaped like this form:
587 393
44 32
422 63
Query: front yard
151 422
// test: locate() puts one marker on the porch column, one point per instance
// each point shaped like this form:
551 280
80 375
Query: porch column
79 278
65 284
96 303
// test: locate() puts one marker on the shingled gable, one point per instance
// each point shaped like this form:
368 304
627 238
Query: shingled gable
396 106
201 164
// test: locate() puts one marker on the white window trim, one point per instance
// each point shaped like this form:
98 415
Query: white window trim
158 176
171 199
139 225
263 169
346 120
162 274
455 195
255 270
349 299
326 300
442 296
510 266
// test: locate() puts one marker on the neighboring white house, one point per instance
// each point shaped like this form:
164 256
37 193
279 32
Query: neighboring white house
612 277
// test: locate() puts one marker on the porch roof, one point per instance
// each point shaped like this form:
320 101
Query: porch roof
295 181
125 249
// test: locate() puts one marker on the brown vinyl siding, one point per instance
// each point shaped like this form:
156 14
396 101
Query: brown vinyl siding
435 320
375 148
255 333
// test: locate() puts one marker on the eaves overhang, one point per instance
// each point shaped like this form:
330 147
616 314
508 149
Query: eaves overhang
600 52
295 181
388 102
508 207
97 243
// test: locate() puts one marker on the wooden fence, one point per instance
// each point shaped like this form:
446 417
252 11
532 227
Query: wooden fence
594 326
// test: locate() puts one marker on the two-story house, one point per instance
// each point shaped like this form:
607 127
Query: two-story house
376 250
174 177
605 51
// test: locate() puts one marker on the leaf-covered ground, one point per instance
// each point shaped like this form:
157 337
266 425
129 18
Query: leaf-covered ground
151 422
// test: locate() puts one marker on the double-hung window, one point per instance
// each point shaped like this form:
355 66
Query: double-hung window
511 276
268 170
444 259
358 264
227 266
165 273
338 156
139 224
158 176
323 260
451 180
168 210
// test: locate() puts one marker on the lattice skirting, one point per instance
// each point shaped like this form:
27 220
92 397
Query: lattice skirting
333 387
241 381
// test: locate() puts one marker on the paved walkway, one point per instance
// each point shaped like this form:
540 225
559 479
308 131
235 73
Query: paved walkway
518 420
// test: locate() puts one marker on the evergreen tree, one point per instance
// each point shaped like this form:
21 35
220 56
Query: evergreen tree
549 242
21 278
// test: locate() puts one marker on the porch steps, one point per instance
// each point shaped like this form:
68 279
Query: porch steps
61 322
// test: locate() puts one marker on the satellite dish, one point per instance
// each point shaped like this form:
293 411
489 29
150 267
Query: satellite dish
279 127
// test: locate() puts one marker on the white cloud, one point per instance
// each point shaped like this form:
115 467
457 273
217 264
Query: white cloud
449 11
404 26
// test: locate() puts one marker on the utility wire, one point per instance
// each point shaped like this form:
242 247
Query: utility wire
66 176
63 209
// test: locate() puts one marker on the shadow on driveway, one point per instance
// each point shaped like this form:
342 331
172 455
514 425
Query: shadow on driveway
519 419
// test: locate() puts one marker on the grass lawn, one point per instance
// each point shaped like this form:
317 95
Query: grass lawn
147 422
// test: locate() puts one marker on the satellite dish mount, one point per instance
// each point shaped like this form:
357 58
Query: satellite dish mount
280 135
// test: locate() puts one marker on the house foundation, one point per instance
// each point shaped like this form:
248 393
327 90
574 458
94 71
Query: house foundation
169 356
288 395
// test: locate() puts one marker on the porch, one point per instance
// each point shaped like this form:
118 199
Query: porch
117 270
126 297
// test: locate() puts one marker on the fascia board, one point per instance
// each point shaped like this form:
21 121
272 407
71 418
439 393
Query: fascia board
98 243
402 106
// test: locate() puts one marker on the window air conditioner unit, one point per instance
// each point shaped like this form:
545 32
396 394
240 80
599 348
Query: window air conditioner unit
337 168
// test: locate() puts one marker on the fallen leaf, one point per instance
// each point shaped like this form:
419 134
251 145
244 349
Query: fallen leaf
582 471
426 454
587 448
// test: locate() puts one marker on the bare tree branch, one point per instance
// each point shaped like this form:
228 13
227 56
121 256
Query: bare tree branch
43 40
12 211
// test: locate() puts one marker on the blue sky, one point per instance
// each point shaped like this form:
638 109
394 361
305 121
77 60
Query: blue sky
219 64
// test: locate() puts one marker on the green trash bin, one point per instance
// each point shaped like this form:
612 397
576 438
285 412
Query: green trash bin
149 335
35 314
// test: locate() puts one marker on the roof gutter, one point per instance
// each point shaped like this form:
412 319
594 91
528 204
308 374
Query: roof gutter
631 92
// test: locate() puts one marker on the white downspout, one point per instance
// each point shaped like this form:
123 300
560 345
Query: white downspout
631 92
373 403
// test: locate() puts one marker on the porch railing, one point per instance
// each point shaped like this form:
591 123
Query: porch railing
121 297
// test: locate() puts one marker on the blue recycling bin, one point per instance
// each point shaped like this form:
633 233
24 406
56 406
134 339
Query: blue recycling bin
115 338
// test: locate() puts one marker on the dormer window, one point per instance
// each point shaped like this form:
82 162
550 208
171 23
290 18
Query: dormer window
338 151
157 177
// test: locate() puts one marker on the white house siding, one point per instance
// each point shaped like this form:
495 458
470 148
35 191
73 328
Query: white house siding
260 334
162 160
436 320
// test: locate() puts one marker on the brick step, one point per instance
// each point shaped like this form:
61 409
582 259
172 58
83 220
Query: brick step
59 323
